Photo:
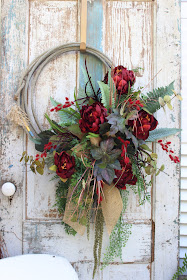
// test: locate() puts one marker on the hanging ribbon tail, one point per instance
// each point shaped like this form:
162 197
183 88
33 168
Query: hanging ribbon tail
112 206
68 215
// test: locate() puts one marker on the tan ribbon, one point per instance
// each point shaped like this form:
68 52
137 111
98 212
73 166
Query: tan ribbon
112 206
68 215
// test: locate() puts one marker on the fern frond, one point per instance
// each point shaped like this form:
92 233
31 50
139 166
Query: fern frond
112 89
105 94
161 133
151 99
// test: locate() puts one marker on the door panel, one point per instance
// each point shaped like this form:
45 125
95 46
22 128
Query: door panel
131 33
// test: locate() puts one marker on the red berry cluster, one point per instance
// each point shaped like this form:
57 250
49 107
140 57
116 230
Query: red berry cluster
135 103
60 106
124 150
165 147
48 147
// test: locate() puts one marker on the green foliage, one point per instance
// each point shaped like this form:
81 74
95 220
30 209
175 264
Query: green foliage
118 240
141 185
124 197
161 133
67 115
35 165
152 98
61 195
44 137
181 270
69 230
105 94
61 199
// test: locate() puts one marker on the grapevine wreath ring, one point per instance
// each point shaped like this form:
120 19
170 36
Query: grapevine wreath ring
30 76
99 149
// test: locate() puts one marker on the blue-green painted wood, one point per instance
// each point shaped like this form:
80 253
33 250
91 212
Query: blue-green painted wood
94 39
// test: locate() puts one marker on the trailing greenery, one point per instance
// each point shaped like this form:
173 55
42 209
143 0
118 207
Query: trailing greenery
118 239
124 197
99 224
181 270
152 98
161 133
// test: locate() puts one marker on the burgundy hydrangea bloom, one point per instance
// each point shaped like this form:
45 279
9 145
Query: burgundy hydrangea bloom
91 117
143 124
124 176
65 165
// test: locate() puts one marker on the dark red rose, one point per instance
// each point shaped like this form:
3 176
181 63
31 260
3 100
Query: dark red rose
124 176
143 124
91 117
65 165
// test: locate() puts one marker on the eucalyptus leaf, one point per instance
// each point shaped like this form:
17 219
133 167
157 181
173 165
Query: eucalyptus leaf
146 148
169 106
161 133
167 98
40 170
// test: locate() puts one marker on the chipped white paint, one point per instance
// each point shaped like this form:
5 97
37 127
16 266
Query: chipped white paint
11 139
128 36
51 24
166 192
134 34
50 237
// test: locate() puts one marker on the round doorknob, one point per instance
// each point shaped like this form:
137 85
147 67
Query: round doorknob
8 189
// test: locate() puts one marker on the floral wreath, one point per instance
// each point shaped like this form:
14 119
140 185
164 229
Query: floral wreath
99 150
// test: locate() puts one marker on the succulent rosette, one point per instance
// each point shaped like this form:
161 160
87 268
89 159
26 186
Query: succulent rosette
99 149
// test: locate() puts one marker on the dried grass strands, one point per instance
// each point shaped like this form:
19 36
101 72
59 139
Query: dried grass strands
19 118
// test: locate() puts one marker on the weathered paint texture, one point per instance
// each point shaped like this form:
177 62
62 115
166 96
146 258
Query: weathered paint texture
11 139
131 33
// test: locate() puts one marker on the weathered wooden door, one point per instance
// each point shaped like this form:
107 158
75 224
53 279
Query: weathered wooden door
144 33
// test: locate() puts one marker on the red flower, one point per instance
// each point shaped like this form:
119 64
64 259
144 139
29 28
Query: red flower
91 117
123 78
143 124
65 165
124 176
